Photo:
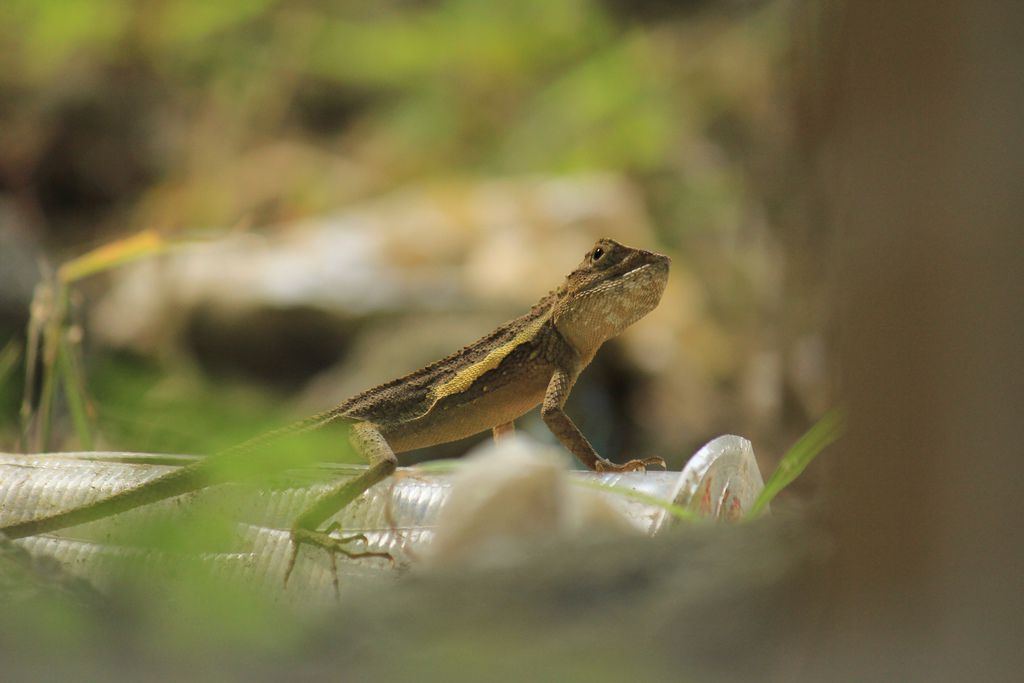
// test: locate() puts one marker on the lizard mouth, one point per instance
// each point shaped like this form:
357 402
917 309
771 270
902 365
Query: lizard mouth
651 276
659 262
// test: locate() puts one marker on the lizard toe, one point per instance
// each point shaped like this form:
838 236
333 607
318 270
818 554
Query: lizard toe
639 465
334 546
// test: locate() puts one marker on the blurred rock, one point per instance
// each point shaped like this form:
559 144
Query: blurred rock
517 495
440 247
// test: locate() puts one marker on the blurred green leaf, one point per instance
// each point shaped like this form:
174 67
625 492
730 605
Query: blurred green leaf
612 110
184 21
824 432
455 43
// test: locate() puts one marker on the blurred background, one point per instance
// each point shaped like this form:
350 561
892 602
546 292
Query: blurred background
352 190
336 193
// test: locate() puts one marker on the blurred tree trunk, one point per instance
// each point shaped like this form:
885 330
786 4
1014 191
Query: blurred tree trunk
920 153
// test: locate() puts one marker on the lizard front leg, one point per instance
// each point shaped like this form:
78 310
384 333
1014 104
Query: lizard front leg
569 434
372 446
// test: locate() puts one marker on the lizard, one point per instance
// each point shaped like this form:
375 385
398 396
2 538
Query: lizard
531 360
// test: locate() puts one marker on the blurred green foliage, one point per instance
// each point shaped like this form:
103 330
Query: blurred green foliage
145 410
401 89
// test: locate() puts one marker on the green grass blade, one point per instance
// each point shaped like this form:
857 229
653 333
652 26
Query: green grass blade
119 252
46 337
824 432
33 343
53 309
74 390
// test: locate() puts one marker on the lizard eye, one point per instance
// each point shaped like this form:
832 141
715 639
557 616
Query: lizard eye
596 256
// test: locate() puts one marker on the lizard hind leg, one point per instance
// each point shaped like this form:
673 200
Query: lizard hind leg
372 446
503 431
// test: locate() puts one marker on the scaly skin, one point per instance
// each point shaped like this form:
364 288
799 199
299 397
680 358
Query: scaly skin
529 361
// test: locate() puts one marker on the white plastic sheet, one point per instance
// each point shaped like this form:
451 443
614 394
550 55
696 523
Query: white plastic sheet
399 516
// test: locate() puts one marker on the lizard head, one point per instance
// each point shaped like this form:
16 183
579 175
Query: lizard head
612 288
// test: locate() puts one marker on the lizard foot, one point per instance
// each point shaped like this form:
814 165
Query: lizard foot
334 545
640 465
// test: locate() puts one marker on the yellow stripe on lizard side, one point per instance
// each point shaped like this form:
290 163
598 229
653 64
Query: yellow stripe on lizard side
464 378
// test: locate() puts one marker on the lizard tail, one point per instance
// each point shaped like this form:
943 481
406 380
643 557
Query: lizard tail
267 438
186 479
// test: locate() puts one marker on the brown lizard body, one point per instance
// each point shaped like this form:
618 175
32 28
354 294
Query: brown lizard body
534 359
